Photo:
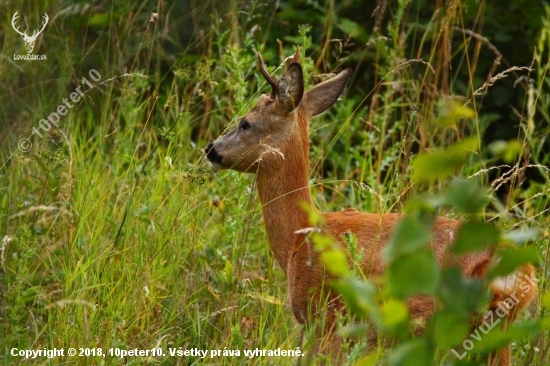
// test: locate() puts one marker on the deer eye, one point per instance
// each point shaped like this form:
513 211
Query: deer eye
244 125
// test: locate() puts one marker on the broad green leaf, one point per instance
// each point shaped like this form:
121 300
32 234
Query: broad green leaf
353 29
355 330
507 150
521 236
440 164
452 111
394 312
416 352
512 258
498 338
321 242
465 196
358 296
450 328
313 216
412 274
372 359
336 261
99 20
425 205
462 294
409 235
475 236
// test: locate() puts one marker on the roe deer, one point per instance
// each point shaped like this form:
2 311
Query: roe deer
272 142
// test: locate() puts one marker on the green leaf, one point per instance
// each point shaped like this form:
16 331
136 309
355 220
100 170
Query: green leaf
424 205
498 338
321 242
394 312
355 330
507 150
451 111
372 359
475 236
353 29
512 258
521 236
462 294
450 328
439 164
416 352
336 261
409 235
465 196
228 270
99 20
412 274
358 296
314 217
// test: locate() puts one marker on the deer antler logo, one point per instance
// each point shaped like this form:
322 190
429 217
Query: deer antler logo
29 40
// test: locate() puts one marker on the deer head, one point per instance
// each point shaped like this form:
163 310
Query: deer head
272 129
29 40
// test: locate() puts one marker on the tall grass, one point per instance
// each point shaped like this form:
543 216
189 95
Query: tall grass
115 233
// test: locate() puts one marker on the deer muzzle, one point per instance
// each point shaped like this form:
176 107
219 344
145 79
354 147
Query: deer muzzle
212 155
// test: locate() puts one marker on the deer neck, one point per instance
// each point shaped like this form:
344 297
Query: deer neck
282 187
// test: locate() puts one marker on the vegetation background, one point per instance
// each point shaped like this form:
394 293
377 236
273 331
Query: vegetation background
115 232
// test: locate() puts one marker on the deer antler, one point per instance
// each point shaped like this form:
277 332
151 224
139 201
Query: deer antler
295 57
270 79
13 19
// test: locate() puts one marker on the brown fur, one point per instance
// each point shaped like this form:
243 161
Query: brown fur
275 146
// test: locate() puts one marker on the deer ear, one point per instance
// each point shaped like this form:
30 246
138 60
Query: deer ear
322 96
290 88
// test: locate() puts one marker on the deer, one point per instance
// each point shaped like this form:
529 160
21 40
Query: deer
272 142
29 40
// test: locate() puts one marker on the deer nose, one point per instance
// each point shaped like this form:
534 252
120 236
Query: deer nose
208 148
212 154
